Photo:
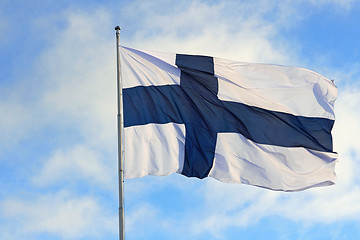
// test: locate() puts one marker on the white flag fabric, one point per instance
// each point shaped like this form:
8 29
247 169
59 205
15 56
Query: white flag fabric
258 124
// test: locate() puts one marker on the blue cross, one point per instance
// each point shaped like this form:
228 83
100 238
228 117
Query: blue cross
195 103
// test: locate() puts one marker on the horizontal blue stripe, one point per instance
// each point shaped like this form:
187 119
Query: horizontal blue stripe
165 104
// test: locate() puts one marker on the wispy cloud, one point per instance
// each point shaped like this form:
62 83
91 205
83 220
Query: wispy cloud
79 163
68 102
59 215
226 29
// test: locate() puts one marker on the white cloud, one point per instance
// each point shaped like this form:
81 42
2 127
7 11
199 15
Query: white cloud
80 74
227 29
77 96
347 119
145 220
78 163
72 86
59 214
14 122
72 94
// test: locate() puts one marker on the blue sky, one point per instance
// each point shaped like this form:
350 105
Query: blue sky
58 156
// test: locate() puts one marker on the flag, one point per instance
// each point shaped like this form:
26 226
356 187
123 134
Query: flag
257 124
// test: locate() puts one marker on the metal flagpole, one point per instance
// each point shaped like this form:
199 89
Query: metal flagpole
120 126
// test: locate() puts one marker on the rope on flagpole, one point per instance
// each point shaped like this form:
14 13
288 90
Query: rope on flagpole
120 126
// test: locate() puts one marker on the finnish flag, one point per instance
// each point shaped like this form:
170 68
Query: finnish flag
257 124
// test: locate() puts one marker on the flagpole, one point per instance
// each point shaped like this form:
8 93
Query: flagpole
120 126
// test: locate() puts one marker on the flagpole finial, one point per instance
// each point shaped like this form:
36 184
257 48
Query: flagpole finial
117 28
